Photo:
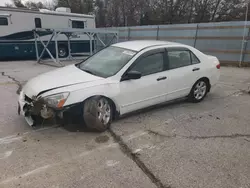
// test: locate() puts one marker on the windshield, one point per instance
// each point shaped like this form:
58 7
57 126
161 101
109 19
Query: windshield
107 62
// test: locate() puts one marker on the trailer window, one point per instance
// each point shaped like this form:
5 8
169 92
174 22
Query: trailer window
38 23
77 24
3 21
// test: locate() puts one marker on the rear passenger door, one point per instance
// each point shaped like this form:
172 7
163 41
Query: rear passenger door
183 71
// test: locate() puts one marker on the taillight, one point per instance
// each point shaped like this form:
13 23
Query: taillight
218 66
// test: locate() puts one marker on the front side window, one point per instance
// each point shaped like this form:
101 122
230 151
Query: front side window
107 62
38 23
149 65
78 24
3 21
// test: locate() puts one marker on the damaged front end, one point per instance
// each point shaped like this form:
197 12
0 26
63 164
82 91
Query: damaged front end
41 107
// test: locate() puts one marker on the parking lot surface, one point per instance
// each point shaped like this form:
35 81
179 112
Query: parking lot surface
174 145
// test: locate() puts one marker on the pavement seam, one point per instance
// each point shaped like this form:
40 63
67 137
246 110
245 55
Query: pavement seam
151 132
15 81
133 156
247 140
199 137
219 136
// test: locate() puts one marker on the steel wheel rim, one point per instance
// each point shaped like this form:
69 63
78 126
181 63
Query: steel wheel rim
200 90
103 111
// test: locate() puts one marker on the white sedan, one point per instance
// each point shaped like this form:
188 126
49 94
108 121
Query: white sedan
120 79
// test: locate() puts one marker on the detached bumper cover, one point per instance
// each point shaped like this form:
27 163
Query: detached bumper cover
23 109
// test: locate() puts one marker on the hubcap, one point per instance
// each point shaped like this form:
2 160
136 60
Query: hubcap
200 90
103 111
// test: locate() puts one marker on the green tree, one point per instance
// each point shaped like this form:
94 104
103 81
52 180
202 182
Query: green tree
33 5
77 6
149 12
30 5
145 19
18 3
63 3
100 13
87 6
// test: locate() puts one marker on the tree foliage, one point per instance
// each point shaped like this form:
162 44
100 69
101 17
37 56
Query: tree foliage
149 12
18 3
77 6
30 4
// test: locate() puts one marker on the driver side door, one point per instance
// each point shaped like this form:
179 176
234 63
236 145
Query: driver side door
151 88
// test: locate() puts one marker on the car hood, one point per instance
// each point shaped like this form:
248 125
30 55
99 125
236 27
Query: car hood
62 77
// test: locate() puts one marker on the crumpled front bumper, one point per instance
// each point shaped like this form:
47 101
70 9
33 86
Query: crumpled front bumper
31 108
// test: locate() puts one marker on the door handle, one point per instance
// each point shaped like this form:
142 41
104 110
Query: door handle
196 69
161 78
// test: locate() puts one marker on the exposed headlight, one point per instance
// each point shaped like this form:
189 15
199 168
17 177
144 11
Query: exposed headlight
57 100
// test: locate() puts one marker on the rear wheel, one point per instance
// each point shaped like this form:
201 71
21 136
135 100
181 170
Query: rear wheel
199 91
62 51
97 113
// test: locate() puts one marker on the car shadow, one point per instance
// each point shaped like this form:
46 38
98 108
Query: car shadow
75 123
69 123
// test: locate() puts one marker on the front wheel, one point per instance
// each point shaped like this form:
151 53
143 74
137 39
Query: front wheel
97 113
199 91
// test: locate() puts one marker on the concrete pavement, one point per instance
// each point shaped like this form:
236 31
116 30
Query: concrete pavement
173 145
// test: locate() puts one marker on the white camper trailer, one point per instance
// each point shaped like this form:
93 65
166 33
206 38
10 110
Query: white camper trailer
17 25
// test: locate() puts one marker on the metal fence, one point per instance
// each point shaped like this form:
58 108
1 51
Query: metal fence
226 40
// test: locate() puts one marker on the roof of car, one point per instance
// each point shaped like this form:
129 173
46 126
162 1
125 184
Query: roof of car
138 45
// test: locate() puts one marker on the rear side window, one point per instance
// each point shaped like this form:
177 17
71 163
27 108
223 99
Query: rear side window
38 23
149 65
195 60
178 58
78 24
181 58
3 21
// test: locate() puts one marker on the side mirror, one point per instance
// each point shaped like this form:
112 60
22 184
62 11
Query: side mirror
131 75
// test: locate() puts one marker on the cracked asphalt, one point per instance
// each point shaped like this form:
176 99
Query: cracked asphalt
172 145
